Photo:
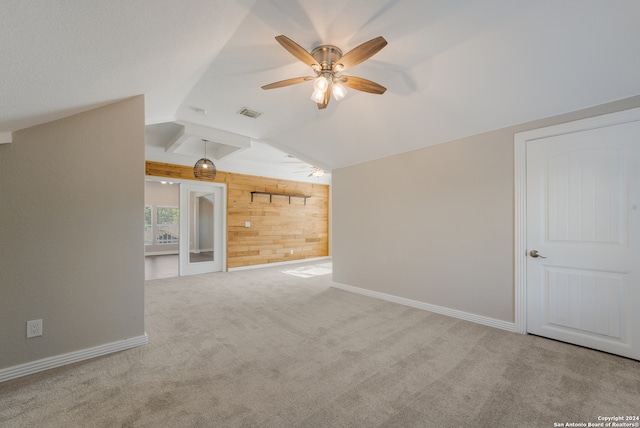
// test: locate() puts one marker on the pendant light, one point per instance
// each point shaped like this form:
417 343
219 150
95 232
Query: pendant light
204 168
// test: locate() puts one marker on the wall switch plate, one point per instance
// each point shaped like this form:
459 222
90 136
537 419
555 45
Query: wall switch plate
247 224
34 328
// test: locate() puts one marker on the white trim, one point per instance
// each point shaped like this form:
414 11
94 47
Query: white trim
314 259
520 233
520 178
479 319
185 267
160 253
224 209
72 357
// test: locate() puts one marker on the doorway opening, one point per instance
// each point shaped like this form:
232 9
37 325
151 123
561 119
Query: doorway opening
162 228
185 226
576 224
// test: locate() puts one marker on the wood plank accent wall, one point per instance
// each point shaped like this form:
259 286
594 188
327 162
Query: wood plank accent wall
277 228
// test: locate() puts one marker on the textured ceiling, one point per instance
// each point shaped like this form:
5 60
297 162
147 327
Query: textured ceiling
452 68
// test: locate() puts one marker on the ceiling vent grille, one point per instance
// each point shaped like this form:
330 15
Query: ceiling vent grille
249 113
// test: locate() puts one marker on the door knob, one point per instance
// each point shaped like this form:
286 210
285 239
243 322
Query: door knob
534 254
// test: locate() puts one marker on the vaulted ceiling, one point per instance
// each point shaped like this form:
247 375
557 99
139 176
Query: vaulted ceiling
452 68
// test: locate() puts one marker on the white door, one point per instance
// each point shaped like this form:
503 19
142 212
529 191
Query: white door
583 220
202 226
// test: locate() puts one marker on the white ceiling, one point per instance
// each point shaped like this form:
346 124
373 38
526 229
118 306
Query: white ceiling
452 68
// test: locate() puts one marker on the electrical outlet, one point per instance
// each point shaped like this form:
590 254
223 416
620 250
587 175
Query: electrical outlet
291 252
34 328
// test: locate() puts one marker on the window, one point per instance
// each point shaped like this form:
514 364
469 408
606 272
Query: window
167 225
148 226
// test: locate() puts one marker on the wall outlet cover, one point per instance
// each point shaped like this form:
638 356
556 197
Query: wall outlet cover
34 328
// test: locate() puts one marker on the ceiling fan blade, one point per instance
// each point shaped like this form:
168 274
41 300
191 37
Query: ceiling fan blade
327 97
360 53
360 84
286 82
297 50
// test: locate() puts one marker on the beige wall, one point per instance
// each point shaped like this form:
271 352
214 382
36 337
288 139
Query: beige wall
436 225
71 252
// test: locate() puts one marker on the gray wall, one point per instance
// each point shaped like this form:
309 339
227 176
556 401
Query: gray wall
71 235
436 225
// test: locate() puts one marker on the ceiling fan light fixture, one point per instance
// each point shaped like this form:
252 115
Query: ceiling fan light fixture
316 172
320 83
338 90
327 61
318 96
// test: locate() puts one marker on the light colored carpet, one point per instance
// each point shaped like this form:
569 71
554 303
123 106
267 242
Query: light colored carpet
264 348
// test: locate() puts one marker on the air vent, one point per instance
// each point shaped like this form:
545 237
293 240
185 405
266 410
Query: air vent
249 113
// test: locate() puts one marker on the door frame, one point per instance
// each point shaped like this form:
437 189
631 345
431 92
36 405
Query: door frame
185 187
520 181
181 181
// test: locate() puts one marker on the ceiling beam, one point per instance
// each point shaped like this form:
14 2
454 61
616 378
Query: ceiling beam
226 142
216 135
299 155
178 139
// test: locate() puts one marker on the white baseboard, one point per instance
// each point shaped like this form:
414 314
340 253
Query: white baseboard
479 319
72 357
314 259
161 253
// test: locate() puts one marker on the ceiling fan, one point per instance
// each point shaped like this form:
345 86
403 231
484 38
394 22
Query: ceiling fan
313 172
327 62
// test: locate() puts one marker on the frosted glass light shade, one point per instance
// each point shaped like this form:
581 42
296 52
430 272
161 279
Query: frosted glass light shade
320 83
318 96
339 91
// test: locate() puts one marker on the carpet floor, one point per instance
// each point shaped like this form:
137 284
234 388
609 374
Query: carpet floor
269 348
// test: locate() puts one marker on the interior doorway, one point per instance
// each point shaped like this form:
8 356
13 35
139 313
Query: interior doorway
185 224
202 228
578 230
162 228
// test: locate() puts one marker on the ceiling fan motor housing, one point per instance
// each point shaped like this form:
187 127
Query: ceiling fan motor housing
327 56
